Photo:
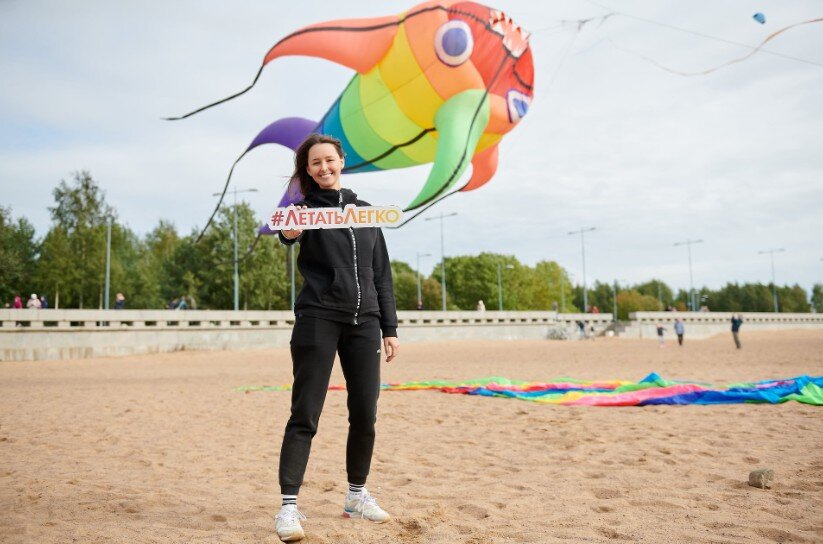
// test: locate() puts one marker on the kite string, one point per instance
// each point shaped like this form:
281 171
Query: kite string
757 48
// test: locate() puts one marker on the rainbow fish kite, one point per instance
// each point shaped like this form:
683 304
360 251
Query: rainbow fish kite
650 390
441 83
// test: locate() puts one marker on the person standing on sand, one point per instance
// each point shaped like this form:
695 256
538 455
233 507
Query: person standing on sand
679 329
660 330
346 301
737 320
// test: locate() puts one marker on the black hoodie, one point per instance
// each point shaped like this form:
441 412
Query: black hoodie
346 272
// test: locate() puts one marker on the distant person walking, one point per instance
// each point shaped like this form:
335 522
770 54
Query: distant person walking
33 302
660 330
119 301
737 320
481 307
18 302
679 329
44 302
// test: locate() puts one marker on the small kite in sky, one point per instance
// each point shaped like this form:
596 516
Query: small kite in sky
760 18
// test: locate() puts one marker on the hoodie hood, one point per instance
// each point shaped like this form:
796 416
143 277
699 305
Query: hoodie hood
328 198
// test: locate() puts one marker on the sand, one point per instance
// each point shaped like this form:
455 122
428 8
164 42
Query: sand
161 448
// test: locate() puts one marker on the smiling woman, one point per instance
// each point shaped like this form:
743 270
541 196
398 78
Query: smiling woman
346 301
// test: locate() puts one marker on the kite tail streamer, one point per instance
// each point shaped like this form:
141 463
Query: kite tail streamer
420 211
288 132
235 95
222 196
351 33
246 255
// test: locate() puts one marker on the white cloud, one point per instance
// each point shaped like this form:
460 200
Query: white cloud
611 141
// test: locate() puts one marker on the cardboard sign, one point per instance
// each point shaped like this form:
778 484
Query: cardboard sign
292 218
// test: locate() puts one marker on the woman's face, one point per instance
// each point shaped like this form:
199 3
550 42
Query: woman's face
325 166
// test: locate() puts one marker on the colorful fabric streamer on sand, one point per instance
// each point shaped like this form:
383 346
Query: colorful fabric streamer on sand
651 390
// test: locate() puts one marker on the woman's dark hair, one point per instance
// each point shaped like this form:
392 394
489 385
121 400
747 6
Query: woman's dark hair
301 160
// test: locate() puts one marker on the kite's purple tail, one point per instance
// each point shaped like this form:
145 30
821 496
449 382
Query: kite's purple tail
288 132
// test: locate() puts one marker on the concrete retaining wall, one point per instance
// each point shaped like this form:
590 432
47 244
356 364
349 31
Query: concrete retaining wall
74 334
706 324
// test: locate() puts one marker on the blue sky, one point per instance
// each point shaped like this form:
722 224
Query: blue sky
611 141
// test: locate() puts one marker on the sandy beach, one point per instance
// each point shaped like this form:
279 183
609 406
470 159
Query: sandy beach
164 449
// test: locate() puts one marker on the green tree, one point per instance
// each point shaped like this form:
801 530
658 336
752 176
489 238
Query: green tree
599 294
264 282
657 289
405 288
755 297
19 250
555 287
151 286
817 297
55 257
73 254
131 272
792 299
602 296
473 278
633 301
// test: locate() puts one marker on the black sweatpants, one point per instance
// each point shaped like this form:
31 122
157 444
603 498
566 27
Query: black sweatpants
314 342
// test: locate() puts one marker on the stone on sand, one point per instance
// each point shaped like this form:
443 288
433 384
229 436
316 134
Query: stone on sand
762 478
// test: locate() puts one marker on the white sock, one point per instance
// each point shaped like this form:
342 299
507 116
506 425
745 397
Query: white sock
356 489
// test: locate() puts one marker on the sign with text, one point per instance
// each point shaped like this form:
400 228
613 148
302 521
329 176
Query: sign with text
292 218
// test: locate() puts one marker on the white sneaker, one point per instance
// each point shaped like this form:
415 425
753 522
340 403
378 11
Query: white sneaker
287 523
363 505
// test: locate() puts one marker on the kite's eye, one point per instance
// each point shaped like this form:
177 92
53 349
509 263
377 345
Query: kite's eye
518 105
454 43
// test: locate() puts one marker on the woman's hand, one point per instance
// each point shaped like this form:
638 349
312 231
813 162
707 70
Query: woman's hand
293 233
390 347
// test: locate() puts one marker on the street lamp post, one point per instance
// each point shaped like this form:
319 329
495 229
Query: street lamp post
688 244
771 253
417 273
108 262
442 254
500 285
582 232
236 269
